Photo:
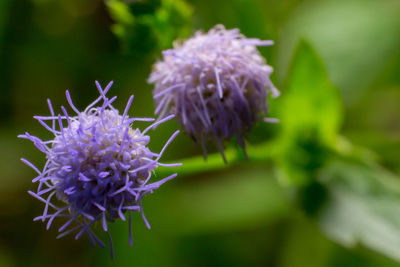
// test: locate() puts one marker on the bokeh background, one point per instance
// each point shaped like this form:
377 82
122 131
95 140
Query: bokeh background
241 214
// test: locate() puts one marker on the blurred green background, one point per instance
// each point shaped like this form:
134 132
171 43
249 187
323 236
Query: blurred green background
325 193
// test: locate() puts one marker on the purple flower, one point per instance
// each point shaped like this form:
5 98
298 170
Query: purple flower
216 83
98 168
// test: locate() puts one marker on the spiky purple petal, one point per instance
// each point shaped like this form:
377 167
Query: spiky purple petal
98 166
216 83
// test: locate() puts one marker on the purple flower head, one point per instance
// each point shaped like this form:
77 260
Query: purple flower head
98 168
216 83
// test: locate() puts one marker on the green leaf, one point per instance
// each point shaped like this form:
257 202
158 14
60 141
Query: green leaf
310 100
173 20
363 206
310 113
147 26
144 7
357 39
119 12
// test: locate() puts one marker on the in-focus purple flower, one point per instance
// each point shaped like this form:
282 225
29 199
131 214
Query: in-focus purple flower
98 168
216 84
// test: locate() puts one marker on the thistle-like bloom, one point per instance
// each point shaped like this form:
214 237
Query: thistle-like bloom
216 84
98 168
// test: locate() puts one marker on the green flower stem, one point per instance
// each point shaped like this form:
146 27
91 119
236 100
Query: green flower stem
256 154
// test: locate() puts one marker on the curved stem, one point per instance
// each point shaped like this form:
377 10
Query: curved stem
257 154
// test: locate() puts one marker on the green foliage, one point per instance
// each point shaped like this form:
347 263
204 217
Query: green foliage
310 114
354 200
335 182
215 214
363 206
149 7
149 26
343 33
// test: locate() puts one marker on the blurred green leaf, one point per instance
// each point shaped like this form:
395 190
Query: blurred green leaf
173 20
120 12
143 7
147 26
310 114
356 39
310 100
363 206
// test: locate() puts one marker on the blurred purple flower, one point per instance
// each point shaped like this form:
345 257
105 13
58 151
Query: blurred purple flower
216 83
98 167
